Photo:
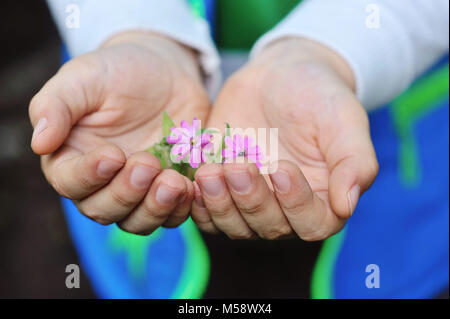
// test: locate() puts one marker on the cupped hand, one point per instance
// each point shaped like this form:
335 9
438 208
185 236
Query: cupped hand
94 119
326 157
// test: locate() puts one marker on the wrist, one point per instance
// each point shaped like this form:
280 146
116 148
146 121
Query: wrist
174 52
301 50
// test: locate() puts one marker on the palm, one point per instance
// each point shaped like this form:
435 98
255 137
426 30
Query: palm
325 154
135 86
301 103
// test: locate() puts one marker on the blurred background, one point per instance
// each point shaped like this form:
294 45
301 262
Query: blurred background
35 246
34 243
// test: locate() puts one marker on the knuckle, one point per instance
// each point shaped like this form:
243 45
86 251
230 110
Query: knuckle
295 206
133 230
212 230
98 217
222 211
241 235
180 214
318 235
122 201
277 233
60 189
207 227
151 212
200 217
374 167
54 179
93 214
143 232
102 220
126 228
175 221
84 182
252 207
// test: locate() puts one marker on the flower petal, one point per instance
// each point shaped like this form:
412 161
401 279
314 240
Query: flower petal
205 138
229 142
228 154
238 143
182 133
208 147
185 125
195 158
173 139
196 125
180 150
248 143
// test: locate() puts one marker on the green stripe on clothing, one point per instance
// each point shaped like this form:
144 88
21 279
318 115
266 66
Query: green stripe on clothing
241 22
197 8
423 97
323 274
195 276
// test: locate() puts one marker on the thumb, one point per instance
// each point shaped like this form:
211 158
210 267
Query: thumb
352 162
62 101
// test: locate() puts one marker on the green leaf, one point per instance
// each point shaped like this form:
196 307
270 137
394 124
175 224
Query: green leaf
191 173
227 130
222 146
161 151
167 123
227 133
208 130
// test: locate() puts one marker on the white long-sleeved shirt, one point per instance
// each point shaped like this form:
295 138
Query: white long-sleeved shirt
85 24
387 43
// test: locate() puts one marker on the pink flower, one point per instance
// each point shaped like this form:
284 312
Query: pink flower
241 146
190 143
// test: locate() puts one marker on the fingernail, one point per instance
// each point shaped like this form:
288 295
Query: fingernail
107 167
40 126
141 176
239 181
198 196
166 195
281 181
353 196
213 186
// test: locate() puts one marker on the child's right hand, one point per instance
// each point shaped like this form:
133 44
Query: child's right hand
95 117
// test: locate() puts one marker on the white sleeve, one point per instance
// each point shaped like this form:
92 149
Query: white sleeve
100 19
387 43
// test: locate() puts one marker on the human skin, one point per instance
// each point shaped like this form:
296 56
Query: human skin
94 118
327 159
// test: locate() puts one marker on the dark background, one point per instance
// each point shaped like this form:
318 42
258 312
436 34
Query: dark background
34 243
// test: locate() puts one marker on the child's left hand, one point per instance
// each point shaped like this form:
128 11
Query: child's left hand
328 161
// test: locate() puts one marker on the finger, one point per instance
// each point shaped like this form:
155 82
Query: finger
219 203
181 211
308 213
63 100
116 200
200 214
256 202
79 176
352 163
165 194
